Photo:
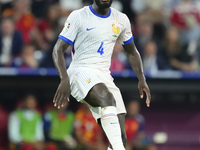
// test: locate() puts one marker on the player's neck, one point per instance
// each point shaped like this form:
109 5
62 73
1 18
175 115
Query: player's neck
103 12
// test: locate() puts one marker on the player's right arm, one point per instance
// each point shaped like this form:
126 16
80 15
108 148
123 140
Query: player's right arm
66 38
63 91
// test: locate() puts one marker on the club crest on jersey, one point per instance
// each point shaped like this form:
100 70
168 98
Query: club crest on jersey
115 29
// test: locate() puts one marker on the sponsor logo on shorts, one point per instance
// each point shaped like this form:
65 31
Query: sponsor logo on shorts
88 80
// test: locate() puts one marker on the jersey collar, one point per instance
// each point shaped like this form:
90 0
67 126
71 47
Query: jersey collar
98 15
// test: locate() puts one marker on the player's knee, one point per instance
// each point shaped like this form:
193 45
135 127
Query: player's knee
103 96
100 96
107 99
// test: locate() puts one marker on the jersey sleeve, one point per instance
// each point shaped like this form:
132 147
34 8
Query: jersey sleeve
71 28
126 36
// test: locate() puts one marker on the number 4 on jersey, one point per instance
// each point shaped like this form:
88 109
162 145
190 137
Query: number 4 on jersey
100 50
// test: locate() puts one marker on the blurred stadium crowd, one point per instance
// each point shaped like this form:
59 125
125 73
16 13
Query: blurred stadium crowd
30 127
166 32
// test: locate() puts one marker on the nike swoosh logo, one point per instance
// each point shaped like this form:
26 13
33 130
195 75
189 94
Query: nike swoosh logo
114 123
88 29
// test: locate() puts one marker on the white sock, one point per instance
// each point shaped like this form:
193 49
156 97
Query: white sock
109 148
110 124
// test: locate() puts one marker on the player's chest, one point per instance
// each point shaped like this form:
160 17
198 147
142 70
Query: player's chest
101 29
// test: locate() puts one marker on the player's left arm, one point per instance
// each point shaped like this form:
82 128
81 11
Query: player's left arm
136 64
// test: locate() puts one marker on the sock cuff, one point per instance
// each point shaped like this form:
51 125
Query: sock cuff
108 112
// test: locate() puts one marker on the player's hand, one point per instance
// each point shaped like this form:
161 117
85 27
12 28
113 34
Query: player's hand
62 94
142 86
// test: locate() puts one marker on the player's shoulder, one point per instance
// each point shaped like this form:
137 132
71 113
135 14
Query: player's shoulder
118 15
80 12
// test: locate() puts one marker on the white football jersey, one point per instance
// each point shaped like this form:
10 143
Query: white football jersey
93 36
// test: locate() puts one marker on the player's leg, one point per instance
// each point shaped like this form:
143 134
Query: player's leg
121 118
100 96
